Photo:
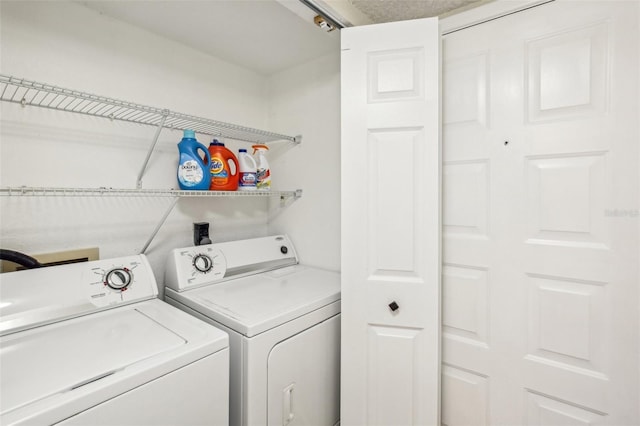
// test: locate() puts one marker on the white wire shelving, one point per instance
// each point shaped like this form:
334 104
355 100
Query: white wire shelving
31 93
25 191
175 195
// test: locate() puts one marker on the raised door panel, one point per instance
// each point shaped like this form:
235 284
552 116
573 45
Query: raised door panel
458 386
568 73
393 384
543 411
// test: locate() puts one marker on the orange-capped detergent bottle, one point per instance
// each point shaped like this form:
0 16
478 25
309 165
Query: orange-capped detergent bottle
223 167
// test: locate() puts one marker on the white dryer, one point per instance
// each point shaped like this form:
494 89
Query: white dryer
283 321
90 344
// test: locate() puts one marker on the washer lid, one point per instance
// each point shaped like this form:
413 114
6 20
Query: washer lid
68 355
254 304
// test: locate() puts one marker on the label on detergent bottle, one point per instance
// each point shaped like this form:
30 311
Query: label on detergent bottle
247 172
248 180
262 166
263 178
219 174
189 173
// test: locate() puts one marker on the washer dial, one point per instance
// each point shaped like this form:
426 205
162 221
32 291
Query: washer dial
202 263
119 278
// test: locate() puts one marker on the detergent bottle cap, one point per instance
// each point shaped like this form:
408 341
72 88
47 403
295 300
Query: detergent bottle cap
188 133
216 142
242 150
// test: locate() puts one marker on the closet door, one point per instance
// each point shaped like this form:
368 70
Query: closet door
390 224
541 218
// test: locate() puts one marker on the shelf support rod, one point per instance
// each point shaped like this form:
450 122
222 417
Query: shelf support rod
159 225
165 113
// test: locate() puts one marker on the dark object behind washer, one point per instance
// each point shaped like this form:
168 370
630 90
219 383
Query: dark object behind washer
20 258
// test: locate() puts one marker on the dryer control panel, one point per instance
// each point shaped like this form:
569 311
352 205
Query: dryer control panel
196 266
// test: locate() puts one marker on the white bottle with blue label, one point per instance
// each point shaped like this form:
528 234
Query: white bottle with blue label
248 171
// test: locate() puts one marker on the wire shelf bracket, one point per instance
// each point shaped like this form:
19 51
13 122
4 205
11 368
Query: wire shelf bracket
151 149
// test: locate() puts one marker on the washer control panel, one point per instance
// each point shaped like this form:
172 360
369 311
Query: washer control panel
45 295
119 280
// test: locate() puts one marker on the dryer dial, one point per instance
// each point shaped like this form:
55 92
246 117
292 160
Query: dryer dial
202 263
118 278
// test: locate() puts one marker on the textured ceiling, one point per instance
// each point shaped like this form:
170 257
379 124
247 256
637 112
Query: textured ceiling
380 11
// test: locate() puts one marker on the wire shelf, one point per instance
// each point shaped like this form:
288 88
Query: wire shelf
117 192
25 92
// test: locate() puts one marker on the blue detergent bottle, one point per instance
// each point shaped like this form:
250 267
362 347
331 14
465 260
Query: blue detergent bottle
193 168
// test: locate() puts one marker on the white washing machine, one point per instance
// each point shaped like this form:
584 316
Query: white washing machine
90 344
283 321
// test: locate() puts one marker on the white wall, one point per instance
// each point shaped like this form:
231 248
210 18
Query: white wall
307 98
66 44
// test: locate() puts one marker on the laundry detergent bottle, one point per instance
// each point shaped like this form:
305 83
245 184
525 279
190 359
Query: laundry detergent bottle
193 167
224 168
248 171
263 173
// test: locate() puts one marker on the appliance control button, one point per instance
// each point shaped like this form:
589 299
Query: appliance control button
284 249
118 278
202 263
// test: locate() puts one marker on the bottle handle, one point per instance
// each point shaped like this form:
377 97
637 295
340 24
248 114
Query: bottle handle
207 156
235 166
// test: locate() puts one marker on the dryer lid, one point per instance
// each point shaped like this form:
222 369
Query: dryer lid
257 303
61 357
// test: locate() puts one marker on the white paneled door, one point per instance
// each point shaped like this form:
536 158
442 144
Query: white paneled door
541 218
390 224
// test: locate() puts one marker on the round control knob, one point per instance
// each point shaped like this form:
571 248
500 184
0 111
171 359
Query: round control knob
119 278
202 263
